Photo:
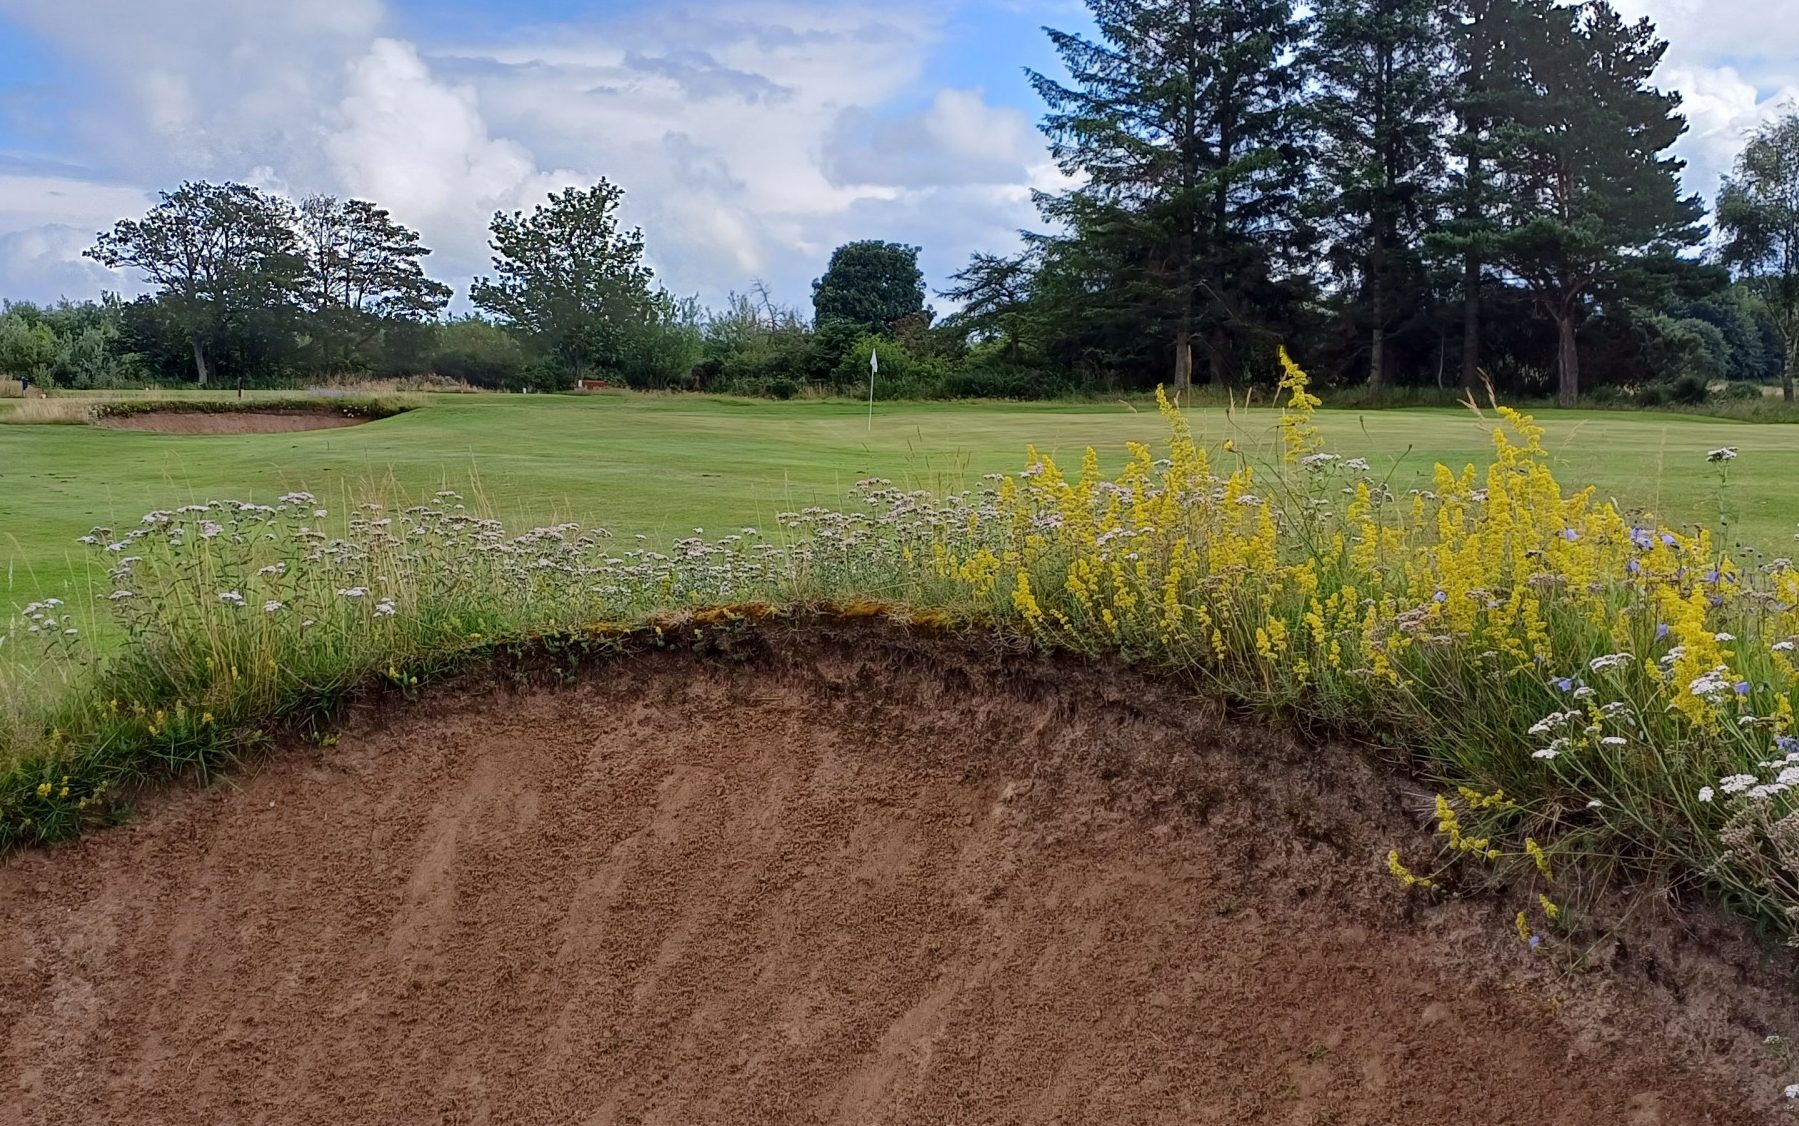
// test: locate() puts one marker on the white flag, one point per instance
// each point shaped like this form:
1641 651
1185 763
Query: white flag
874 361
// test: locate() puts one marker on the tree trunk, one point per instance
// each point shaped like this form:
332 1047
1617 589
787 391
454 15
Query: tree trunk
1377 344
1183 357
1567 361
1471 321
1184 348
200 369
1786 369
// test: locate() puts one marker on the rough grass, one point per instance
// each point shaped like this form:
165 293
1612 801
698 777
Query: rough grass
1595 693
664 465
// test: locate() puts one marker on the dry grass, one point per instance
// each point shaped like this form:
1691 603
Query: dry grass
49 412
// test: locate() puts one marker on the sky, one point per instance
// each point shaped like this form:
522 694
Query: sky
750 136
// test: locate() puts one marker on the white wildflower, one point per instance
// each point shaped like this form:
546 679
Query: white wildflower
1705 793
1614 741
271 606
232 597
1737 783
353 592
1610 661
1724 453
384 608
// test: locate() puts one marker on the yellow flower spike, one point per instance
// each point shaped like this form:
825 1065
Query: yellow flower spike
1549 908
1523 925
1537 855
1403 874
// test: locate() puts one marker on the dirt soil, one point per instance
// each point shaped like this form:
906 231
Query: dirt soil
856 877
230 422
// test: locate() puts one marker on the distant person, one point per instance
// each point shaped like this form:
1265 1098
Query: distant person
25 387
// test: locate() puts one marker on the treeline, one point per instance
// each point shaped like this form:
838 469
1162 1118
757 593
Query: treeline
1408 193
1405 192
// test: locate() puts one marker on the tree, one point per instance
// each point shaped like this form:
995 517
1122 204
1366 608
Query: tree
27 347
363 269
1591 195
1378 109
995 294
1179 118
219 253
569 279
1758 214
870 284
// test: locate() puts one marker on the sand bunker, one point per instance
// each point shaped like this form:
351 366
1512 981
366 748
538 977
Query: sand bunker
231 422
856 879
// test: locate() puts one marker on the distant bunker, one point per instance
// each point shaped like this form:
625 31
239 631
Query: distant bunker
270 420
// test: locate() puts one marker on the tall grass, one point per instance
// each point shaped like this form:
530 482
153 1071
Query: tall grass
1594 694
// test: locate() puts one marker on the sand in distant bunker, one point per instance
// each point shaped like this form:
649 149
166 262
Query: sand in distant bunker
230 422
845 884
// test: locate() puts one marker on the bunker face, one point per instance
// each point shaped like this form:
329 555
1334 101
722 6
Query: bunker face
849 883
230 422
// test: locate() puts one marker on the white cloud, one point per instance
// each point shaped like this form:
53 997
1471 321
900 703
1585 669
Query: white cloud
1736 66
751 137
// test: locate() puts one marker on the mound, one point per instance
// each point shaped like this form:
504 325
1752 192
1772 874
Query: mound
230 422
861 878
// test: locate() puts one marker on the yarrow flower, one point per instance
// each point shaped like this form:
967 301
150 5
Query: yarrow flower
353 592
232 597
1725 453
384 608
271 606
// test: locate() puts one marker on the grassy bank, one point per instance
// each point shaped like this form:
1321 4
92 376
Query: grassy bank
1594 693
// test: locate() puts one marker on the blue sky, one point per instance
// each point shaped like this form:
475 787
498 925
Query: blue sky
751 136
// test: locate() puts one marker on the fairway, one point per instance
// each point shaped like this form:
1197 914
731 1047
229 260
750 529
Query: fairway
662 466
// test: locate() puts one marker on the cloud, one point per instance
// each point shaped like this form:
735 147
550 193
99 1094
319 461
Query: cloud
751 136
957 139
1736 66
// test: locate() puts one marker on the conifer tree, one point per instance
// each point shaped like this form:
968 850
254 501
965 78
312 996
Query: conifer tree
1180 117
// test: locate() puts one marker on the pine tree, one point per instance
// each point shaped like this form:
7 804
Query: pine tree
1587 188
1379 109
1179 117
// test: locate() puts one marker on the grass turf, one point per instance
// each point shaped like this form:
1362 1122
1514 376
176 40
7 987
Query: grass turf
664 465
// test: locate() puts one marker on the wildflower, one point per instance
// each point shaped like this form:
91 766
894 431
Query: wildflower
384 608
353 592
1357 463
1741 687
1610 661
1791 1091
1523 925
1549 908
1705 793
271 606
1726 453
1595 804
1541 858
1614 741
231 597
1563 683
